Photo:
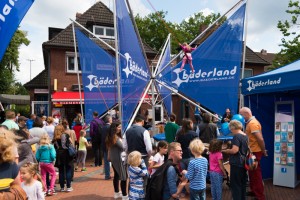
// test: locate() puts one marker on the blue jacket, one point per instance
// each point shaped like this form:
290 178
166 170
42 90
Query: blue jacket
46 154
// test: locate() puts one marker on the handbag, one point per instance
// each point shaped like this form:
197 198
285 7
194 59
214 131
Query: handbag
72 151
250 161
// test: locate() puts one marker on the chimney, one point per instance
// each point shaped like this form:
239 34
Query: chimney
78 15
202 27
264 52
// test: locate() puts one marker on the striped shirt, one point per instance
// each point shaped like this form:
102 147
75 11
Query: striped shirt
136 181
196 174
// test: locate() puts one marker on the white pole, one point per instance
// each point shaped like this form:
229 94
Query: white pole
244 55
76 66
200 35
117 61
161 55
139 105
185 98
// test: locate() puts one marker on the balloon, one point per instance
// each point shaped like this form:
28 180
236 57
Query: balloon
225 128
238 117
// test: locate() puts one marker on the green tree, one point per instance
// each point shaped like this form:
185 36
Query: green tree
10 61
290 42
154 29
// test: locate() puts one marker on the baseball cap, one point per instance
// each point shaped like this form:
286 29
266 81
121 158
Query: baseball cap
22 118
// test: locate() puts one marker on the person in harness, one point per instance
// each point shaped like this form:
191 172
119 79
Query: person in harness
187 50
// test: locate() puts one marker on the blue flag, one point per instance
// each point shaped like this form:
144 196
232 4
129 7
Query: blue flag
165 77
98 76
217 63
133 67
11 15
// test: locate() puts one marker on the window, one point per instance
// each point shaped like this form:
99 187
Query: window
104 32
247 73
70 62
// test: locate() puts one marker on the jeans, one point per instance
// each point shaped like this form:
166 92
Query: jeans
256 182
216 180
238 178
106 165
48 168
97 153
65 173
197 194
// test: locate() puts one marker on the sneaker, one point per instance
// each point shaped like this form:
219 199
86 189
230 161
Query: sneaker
70 189
83 169
62 190
51 192
117 195
125 197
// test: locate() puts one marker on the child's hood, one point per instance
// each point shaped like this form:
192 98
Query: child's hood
45 147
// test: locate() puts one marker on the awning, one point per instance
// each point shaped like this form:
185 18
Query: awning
15 99
67 97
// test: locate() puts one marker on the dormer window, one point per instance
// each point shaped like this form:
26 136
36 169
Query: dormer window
104 31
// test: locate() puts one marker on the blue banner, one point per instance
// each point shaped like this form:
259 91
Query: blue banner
98 76
217 64
165 77
133 67
11 15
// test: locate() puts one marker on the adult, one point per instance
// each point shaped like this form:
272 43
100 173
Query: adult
257 146
49 128
137 138
184 136
227 116
197 114
29 122
10 122
24 143
37 130
172 189
95 134
171 129
208 130
69 131
238 175
115 147
64 161
106 129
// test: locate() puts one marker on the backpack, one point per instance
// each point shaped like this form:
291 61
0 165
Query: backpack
97 136
155 186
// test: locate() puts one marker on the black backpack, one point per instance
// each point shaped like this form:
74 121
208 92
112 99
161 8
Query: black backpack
98 135
155 186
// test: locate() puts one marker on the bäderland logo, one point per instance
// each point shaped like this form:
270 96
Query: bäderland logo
252 85
213 75
133 68
96 82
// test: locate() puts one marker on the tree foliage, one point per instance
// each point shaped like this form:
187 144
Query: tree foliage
290 42
154 29
10 61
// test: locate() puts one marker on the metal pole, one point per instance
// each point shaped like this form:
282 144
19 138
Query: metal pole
76 66
200 35
117 61
163 50
30 60
139 105
185 98
244 56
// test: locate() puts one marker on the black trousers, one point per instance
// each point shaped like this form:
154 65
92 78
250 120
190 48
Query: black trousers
97 153
238 178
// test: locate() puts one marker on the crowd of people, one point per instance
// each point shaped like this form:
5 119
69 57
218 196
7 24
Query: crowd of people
33 151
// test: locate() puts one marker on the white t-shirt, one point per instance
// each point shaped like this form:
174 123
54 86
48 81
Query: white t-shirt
159 160
34 191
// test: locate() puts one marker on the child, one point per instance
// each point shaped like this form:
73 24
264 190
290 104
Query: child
159 157
154 151
216 168
46 155
187 49
197 171
82 151
136 175
32 187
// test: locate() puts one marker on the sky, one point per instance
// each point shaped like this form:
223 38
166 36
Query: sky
262 31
